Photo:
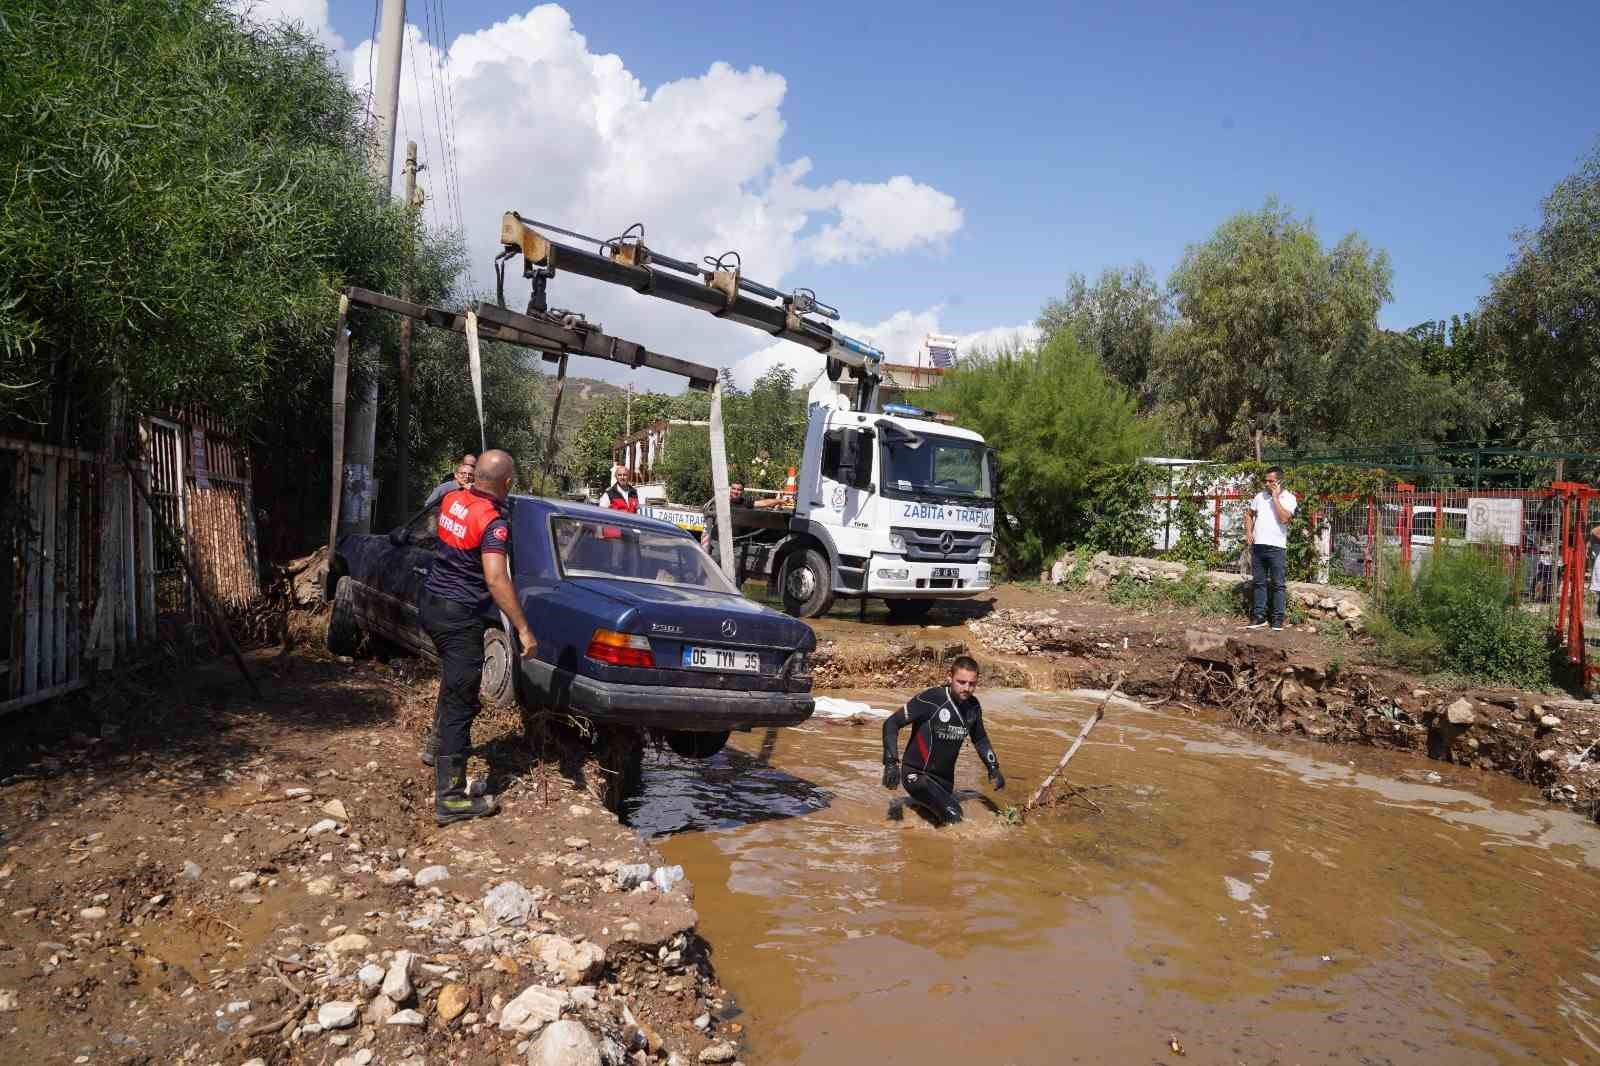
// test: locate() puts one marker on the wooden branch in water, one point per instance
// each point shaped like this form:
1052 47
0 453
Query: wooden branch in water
1094 719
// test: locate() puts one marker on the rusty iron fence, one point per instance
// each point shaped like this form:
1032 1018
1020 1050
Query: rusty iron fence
90 576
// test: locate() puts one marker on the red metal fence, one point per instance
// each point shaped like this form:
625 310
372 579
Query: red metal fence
1541 536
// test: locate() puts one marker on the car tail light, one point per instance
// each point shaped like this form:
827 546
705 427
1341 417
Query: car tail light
621 649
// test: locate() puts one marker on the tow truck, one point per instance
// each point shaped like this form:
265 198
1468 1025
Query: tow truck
890 503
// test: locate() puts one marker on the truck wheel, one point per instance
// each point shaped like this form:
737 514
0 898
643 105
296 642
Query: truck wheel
344 632
807 584
696 745
908 610
499 684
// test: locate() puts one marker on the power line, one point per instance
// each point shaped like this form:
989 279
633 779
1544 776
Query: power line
422 124
372 52
448 107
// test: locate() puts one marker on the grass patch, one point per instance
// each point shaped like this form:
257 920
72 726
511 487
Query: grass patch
1192 590
1457 615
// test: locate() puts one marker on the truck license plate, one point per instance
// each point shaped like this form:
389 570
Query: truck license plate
721 659
946 571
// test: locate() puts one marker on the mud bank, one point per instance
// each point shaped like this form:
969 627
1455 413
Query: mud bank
1278 684
232 880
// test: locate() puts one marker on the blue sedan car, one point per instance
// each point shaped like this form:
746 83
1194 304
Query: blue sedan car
637 627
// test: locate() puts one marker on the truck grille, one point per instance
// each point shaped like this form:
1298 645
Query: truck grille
929 545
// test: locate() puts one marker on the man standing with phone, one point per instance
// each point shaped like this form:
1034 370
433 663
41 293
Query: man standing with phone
1266 527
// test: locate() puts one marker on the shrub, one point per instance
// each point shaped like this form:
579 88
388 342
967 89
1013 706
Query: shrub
1458 613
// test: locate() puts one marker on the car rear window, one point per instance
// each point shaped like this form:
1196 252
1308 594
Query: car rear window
589 548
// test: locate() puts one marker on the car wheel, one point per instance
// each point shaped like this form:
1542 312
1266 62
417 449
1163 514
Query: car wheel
696 745
807 584
344 632
499 684
908 610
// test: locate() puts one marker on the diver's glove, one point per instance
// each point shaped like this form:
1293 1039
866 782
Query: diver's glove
891 772
997 779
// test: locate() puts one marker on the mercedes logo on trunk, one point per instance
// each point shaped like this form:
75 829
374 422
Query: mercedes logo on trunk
729 627
947 542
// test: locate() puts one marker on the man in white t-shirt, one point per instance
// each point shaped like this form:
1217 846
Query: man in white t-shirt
1266 527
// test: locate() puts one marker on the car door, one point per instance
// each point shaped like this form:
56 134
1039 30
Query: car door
413 563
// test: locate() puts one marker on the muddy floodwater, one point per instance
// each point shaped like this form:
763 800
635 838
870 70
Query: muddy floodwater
1259 904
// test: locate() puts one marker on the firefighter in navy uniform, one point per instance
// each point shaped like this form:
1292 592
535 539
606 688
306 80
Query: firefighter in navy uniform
470 577
940 719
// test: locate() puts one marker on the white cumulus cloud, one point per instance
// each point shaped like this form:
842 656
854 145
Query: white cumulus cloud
311 14
523 115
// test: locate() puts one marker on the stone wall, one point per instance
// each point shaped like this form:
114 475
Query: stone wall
1318 601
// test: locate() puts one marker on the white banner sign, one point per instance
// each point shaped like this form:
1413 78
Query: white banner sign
1494 521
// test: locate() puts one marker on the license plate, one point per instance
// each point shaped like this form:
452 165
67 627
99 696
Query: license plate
721 659
946 571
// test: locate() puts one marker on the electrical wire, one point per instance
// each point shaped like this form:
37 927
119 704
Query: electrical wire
372 52
450 115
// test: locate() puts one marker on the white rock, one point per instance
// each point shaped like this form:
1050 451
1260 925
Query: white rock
576 843
191 870
703 1022
532 1010
632 875
1460 712
717 1053
360 1058
398 876
256 1062
92 914
8 1000
565 1043
348 944
340 1014
406 1017
327 825
576 963
296 793
242 882
380 1010
1550 721
1548 755
320 886
508 903
430 874
397 982
667 876
371 977
335 809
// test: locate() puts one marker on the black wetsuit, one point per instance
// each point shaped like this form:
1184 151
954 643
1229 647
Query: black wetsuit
939 723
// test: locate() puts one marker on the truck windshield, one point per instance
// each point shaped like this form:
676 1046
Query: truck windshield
938 466
588 548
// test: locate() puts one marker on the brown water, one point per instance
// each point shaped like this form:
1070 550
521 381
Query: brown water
1260 904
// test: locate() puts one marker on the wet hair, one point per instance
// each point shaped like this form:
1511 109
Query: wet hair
964 662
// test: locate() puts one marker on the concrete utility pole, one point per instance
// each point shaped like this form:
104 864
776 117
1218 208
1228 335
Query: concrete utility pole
360 488
413 201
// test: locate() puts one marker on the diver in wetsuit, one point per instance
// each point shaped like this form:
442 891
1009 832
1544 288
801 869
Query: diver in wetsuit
940 719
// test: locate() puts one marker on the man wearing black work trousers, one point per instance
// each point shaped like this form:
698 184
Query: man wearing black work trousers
470 577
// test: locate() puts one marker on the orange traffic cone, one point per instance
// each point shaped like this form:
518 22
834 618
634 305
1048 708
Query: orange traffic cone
791 485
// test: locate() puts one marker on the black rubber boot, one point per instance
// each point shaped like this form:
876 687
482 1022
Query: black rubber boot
451 803
430 745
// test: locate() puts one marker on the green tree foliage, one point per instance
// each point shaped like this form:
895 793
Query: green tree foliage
1121 318
182 198
1540 322
588 453
1270 324
1055 418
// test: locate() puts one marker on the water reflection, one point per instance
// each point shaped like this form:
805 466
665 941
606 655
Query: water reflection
729 789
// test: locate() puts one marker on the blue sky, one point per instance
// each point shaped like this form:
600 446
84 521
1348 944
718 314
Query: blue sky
1075 138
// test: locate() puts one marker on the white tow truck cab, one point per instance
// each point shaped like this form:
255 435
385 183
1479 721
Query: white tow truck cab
887 506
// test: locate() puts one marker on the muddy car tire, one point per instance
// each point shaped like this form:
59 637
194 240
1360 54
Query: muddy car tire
344 632
693 745
498 687
807 584
908 610
615 767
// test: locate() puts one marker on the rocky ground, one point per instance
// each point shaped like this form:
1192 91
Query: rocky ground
192 875
226 880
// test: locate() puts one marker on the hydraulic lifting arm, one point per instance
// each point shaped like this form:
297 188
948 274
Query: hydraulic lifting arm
717 287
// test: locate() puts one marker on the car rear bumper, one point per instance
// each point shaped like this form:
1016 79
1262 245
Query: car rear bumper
661 706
